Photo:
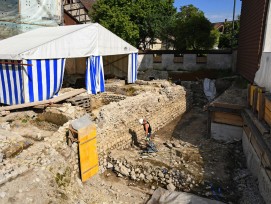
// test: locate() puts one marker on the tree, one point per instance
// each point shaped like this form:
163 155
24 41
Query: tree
228 39
139 22
193 30
115 16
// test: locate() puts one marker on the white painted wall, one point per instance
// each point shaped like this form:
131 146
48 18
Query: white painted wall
267 37
214 61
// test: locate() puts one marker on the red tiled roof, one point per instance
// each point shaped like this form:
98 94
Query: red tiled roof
218 24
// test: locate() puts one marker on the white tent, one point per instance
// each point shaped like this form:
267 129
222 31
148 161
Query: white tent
64 42
32 64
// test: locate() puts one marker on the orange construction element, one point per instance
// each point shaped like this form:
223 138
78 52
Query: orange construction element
89 163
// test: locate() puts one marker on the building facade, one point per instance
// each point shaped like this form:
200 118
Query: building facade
18 16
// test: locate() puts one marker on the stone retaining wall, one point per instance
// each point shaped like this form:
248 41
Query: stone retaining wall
118 121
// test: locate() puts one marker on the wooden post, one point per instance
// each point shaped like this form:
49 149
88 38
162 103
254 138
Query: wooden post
248 95
261 104
255 100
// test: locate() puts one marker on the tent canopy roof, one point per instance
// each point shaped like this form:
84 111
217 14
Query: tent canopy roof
64 42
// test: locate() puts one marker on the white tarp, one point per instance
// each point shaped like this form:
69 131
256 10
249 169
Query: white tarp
64 42
209 88
162 196
41 12
263 75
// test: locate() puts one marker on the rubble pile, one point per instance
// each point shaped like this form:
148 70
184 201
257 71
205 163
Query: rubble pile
175 166
34 152
37 165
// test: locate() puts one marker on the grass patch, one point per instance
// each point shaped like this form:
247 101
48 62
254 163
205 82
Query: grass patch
130 91
24 121
63 179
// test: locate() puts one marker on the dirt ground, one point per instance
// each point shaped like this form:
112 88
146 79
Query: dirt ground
222 163
218 169
225 177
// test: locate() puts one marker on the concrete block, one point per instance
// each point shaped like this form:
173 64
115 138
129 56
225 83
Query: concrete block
226 133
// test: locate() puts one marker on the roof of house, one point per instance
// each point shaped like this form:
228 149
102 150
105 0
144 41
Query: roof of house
88 3
218 24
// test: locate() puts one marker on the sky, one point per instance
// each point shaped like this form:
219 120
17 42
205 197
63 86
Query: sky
214 10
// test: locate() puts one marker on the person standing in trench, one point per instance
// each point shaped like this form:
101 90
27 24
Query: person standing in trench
150 147
147 128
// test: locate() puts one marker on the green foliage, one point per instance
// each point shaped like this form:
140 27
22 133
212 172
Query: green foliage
114 15
139 22
193 30
227 38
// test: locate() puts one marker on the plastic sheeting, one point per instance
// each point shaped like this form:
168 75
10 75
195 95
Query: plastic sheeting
162 196
209 88
263 75
47 13
64 42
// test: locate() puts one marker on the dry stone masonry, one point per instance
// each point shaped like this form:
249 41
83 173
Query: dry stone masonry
118 121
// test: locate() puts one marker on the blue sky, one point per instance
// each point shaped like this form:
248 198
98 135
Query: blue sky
214 10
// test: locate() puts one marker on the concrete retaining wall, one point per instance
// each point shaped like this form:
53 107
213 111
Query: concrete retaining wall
214 61
255 167
226 133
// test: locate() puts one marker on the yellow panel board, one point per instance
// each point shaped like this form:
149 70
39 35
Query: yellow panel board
89 163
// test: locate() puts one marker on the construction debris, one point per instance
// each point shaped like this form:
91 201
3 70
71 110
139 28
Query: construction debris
48 170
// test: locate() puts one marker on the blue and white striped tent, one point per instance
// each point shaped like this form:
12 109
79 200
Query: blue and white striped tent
32 64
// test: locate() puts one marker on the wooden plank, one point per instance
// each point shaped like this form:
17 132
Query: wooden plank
255 100
89 163
248 95
227 118
267 102
49 101
266 160
252 89
258 144
247 130
267 116
227 105
261 127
